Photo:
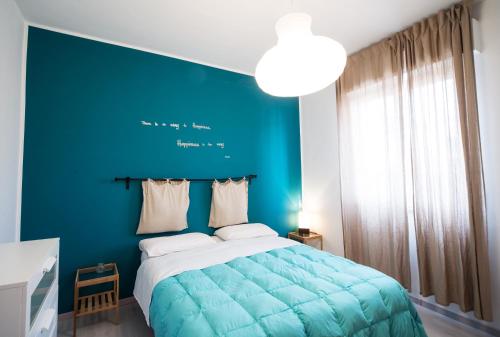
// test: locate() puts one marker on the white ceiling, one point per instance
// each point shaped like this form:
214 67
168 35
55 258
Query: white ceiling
229 34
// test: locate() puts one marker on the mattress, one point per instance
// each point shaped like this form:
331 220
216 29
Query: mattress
271 287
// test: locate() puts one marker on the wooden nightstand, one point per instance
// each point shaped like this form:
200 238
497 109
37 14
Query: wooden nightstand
306 239
102 301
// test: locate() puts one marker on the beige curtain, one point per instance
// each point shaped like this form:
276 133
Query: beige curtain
432 64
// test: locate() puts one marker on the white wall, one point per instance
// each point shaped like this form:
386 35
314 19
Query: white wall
11 65
320 167
488 82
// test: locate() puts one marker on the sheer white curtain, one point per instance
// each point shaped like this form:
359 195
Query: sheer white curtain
373 176
441 202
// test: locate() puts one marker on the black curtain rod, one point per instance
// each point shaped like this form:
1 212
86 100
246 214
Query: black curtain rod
127 180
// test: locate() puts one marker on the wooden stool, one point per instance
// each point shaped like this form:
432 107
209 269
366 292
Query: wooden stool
102 301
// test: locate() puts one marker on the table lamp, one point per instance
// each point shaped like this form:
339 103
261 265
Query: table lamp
303 224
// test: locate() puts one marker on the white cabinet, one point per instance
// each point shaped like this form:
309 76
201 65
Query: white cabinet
29 279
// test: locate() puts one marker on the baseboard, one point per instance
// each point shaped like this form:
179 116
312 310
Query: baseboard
476 324
123 302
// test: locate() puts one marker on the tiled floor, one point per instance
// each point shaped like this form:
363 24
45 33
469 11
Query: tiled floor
133 325
438 325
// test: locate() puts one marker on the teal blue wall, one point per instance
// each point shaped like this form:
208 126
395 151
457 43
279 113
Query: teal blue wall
85 101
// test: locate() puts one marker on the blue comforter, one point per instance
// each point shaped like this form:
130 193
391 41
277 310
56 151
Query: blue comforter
290 292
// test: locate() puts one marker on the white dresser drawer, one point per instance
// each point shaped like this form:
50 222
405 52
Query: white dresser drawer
45 324
29 290
40 287
48 326
49 261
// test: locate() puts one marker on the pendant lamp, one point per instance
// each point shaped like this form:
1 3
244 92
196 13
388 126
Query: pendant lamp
300 63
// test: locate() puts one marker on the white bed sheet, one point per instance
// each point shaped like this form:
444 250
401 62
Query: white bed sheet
154 270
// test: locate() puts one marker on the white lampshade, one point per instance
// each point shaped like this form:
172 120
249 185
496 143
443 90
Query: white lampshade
301 63
304 220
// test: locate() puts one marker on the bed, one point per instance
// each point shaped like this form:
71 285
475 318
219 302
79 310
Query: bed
270 287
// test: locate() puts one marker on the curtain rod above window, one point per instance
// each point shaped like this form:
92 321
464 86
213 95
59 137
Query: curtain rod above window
127 180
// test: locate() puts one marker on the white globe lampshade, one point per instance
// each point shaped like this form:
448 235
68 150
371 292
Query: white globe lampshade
301 63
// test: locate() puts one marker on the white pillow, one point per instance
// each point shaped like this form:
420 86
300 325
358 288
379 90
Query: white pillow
229 203
246 231
217 239
175 243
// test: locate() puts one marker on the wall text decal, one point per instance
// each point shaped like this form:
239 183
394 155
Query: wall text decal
186 145
177 126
